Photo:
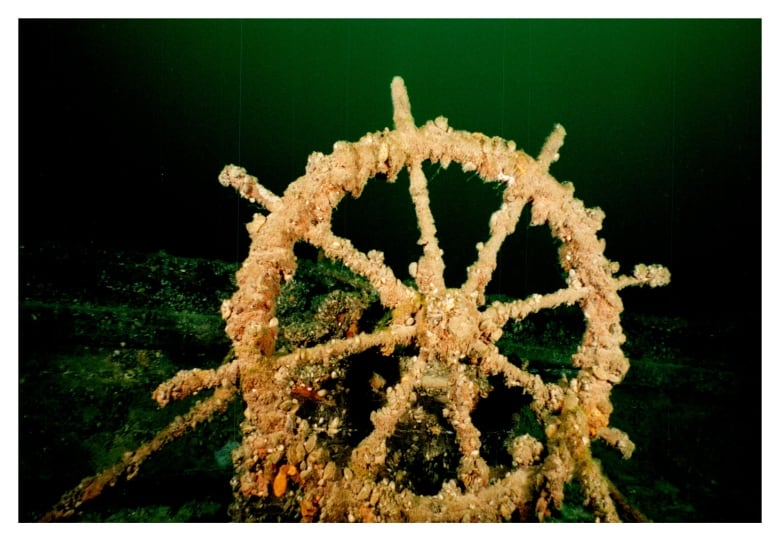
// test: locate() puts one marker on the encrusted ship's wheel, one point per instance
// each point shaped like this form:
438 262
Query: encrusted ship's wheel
451 333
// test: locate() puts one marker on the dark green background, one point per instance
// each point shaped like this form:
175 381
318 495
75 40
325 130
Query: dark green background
124 126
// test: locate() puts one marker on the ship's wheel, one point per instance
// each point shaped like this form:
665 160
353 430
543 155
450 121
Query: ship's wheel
448 335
